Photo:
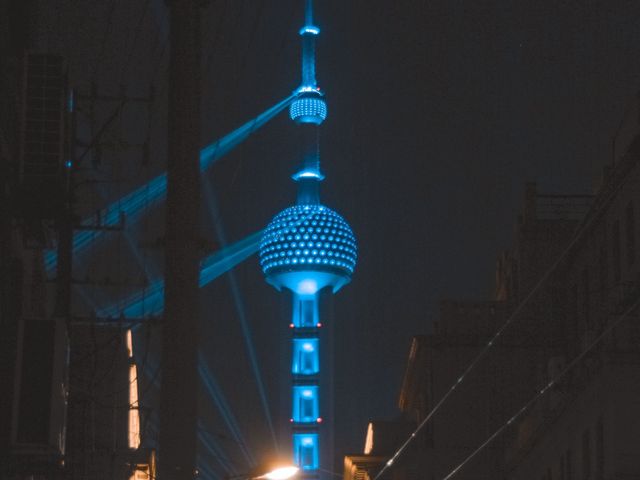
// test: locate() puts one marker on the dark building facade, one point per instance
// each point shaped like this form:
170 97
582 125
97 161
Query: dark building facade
69 404
587 426
568 291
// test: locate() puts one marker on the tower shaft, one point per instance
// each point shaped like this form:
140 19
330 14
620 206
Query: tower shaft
307 249
309 33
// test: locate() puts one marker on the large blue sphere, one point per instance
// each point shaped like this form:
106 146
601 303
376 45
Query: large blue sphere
306 248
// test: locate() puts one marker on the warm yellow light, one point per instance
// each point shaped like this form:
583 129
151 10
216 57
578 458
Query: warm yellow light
140 473
134 411
281 473
368 443
129 342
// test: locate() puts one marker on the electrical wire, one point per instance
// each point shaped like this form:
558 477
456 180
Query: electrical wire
583 228
103 43
543 391
136 36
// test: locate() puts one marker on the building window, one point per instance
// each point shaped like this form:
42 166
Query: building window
306 358
133 430
631 234
305 404
586 455
305 450
305 312
615 246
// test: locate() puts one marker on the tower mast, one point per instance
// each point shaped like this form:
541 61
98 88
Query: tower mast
309 110
308 248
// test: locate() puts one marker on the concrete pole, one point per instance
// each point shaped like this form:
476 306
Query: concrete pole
179 390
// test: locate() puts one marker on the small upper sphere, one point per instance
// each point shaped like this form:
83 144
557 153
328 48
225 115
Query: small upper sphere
308 247
308 107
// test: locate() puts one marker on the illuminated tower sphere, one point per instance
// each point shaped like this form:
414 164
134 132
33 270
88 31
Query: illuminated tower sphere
307 248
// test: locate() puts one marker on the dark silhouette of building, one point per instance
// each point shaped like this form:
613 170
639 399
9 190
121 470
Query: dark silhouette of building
68 392
586 426
569 288
33 343
381 440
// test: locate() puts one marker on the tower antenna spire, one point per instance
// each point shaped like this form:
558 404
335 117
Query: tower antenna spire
309 110
308 12
309 32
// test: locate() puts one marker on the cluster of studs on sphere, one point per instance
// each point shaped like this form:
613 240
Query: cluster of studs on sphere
308 237
308 107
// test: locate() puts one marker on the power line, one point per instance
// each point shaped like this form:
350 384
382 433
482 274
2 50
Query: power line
582 229
544 390
136 36
103 43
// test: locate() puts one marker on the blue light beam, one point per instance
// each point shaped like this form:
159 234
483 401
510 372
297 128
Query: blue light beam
213 389
134 204
150 300
239 305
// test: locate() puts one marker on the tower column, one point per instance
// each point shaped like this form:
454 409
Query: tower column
305 249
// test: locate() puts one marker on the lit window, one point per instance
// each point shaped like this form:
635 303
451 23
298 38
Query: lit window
305 312
305 404
134 411
305 359
129 342
305 450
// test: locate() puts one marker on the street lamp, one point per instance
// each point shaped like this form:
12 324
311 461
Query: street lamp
282 472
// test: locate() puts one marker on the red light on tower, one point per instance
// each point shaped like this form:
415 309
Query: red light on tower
319 419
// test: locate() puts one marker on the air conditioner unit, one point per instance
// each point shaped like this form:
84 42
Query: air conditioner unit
40 397
42 134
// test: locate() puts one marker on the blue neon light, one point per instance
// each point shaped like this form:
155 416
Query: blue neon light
307 89
305 404
133 205
305 311
308 110
312 29
308 238
308 174
306 356
150 301
305 450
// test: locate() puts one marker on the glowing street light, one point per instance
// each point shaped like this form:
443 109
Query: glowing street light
282 472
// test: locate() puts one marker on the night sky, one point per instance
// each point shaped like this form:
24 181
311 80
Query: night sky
439 111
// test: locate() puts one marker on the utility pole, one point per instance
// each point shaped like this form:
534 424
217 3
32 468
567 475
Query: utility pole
179 388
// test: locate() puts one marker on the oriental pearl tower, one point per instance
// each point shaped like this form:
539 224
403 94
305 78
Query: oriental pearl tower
308 248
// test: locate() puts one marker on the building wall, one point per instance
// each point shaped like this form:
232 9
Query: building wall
480 404
587 427
580 254
590 435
